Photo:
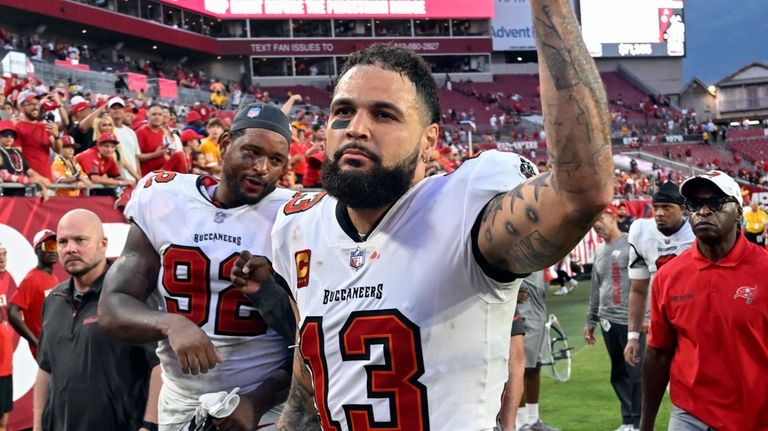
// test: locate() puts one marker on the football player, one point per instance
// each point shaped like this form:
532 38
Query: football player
183 243
652 243
406 285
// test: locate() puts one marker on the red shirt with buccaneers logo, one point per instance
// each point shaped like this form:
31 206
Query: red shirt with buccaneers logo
715 316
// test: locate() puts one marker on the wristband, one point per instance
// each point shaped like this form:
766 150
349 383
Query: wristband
633 335
151 426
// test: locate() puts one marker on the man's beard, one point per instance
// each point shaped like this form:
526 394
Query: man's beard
84 270
368 190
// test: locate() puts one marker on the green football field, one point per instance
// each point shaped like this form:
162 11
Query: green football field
587 401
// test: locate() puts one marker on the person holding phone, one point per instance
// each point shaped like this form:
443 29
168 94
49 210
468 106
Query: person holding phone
35 137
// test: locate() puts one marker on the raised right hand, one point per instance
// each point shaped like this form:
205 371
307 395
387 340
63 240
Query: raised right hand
194 350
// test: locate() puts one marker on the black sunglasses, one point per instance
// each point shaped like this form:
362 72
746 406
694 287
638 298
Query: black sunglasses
714 203
8 134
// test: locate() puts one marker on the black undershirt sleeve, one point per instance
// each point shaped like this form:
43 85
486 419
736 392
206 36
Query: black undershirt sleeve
273 301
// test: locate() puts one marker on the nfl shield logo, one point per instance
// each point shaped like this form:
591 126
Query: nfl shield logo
219 217
357 258
253 112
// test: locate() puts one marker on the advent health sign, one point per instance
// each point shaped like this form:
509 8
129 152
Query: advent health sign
512 26
319 9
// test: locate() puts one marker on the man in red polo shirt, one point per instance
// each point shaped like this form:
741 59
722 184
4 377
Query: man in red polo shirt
709 318
36 138
100 165
25 308
152 150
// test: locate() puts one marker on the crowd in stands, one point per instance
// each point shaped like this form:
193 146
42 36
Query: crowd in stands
77 140
68 136
40 49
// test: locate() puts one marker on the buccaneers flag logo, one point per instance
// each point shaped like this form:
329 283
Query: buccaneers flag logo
746 292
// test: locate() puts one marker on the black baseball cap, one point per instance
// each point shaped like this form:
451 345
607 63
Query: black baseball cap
261 116
668 193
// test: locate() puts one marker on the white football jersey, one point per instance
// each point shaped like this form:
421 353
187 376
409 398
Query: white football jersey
650 249
198 244
402 330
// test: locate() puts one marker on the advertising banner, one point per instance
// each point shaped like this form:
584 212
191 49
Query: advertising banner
512 26
323 9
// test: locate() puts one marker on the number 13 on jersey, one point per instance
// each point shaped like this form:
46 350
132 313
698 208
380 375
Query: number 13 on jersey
396 379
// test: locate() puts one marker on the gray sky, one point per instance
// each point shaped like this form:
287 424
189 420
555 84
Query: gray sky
722 36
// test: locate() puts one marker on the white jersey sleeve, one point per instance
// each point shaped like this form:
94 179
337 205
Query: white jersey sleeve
638 268
409 303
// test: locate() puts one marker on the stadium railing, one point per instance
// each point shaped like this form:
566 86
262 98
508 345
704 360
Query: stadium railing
33 190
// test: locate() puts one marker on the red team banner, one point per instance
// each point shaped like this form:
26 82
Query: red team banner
137 81
168 88
323 9
20 219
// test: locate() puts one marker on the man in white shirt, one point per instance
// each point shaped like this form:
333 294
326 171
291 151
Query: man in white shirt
129 144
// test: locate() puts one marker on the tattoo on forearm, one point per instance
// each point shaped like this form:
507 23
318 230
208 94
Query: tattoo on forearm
569 159
557 55
299 412
533 250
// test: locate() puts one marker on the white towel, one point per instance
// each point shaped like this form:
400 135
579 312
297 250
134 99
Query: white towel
217 404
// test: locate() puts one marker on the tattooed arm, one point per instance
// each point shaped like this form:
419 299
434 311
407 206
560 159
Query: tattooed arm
540 221
299 413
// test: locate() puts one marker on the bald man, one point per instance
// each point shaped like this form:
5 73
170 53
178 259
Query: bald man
87 381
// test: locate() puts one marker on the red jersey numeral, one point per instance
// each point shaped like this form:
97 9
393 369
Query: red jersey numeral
313 351
187 276
160 177
186 279
301 202
396 379
232 318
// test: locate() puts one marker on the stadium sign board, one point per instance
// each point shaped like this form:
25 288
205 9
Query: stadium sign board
349 9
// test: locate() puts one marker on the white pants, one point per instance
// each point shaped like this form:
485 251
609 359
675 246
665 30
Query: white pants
175 411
